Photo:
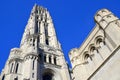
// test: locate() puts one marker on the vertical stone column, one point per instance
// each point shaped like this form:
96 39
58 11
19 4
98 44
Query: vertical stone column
51 32
52 59
104 50
47 58
27 68
97 58
36 69
32 25
52 36
42 33
13 68
108 43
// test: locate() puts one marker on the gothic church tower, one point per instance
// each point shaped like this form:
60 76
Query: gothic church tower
40 56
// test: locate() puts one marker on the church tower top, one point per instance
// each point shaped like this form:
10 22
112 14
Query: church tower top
40 56
40 30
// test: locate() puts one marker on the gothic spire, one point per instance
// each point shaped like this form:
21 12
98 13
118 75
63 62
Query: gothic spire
40 27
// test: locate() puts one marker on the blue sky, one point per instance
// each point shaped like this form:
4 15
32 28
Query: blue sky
73 20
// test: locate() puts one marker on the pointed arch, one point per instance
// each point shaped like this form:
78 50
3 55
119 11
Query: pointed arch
51 74
98 40
91 48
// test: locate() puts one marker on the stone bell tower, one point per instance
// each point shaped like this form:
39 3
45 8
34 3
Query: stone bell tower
40 56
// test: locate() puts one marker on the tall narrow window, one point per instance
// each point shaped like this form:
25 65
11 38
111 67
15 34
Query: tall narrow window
40 58
49 59
33 42
36 28
39 27
55 61
44 58
46 34
33 64
47 42
88 57
16 68
11 68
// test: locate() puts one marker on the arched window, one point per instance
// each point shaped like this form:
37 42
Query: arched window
88 57
48 76
100 42
92 49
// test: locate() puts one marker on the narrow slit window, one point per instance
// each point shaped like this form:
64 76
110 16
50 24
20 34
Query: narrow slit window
40 58
55 62
46 33
47 42
36 28
16 68
33 42
44 58
32 75
33 64
50 59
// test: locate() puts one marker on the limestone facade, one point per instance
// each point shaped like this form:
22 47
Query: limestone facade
40 56
98 58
